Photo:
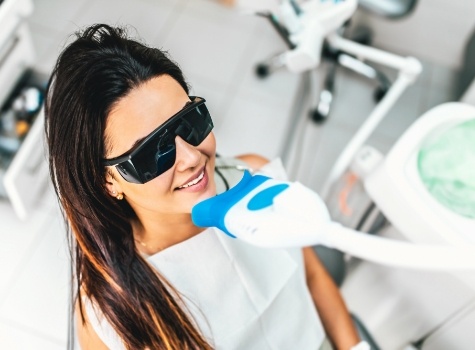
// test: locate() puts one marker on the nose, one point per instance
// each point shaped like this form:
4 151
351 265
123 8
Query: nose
187 156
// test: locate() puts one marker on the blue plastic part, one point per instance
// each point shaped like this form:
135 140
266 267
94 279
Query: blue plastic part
211 212
265 198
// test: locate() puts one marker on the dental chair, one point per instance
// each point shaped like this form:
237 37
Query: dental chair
392 9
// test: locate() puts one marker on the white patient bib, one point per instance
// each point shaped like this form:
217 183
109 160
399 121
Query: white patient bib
243 297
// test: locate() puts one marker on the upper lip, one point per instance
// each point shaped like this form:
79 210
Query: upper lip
193 176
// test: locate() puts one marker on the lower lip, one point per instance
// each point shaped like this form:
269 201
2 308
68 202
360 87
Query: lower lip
200 186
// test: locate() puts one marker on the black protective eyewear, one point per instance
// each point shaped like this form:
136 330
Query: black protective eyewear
157 152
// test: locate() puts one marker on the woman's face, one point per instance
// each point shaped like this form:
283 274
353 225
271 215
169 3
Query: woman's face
137 115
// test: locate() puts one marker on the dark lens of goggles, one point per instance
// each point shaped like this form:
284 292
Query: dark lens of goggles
194 126
158 152
156 157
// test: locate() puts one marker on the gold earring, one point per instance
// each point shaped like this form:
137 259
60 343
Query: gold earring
120 196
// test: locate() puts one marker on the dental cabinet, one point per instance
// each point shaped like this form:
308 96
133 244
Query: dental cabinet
23 167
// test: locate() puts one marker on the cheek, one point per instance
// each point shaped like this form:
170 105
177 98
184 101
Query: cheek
208 146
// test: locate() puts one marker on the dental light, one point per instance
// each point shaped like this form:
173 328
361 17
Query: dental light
271 213
303 27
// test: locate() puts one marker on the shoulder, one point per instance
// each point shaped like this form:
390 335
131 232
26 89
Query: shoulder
255 161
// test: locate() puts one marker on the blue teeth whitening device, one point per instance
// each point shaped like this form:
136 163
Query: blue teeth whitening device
270 213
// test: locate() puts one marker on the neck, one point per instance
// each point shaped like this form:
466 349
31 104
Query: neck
159 233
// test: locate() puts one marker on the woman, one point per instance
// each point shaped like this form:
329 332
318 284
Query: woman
130 154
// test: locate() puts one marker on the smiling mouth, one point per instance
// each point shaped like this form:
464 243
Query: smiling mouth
195 181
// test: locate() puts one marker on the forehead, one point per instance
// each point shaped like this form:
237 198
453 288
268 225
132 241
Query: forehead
141 111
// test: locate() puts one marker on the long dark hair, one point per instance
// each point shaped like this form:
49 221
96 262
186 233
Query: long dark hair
92 73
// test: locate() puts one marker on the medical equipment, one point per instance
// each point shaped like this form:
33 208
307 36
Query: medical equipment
157 152
268 212
292 215
272 213
308 19
306 224
304 27
393 9
319 21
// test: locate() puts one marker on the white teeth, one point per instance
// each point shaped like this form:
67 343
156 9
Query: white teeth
194 182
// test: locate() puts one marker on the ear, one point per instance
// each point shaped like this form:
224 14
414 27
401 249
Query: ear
112 185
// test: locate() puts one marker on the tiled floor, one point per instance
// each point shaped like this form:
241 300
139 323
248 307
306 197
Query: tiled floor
217 49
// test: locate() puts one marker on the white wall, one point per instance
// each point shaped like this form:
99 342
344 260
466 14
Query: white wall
436 31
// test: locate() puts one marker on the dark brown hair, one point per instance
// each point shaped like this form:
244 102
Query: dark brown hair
98 68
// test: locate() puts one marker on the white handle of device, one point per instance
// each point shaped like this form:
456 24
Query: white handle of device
298 217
